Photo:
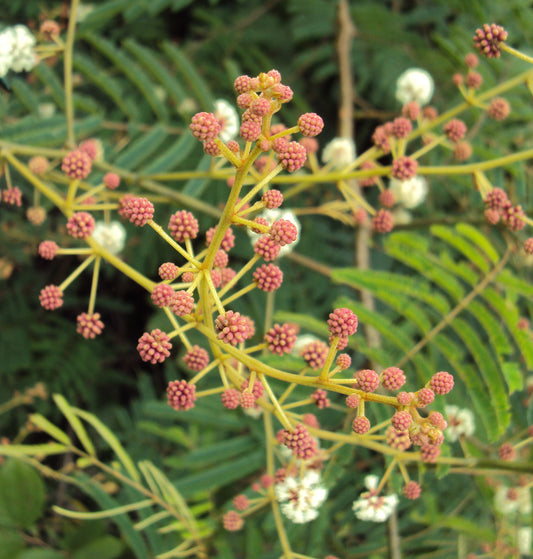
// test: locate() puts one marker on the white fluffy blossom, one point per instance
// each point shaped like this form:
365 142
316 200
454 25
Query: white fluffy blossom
460 422
275 215
524 539
229 119
340 152
301 342
411 192
16 50
373 507
112 236
414 84
301 498
508 500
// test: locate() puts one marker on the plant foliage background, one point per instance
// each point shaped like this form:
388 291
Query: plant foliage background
141 69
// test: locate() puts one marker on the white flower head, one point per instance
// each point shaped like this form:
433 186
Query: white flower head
460 422
508 500
112 236
373 507
401 216
301 498
7 44
340 152
22 55
229 119
411 192
275 215
524 539
414 84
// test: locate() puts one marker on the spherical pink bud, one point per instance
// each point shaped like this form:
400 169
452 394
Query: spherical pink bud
232 328
48 250
353 401
232 521
162 295
401 420
281 339
315 354
77 164
412 490
320 398
441 383
111 180
293 156
196 358
204 126
361 425
342 322
343 361
367 380
404 168
392 378
80 225
154 346
455 130
138 211
310 124
183 225
51 297
424 397
268 277
383 221
272 199
89 325
230 398
168 271
283 232
487 39
267 248
242 84
401 127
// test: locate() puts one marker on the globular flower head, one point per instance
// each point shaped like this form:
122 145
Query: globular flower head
48 250
496 199
339 152
343 361
89 325
77 164
299 440
392 378
12 196
399 440
487 39
138 211
281 338
429 453
471 60
410 193
455 130
283 232
268 277
310 144
499 108
367 380
204 126
182 303
36 215
38 165
437 420
260 106
342 322
353 401
405 398
462 151
412 490
181 395
232 521
51 297
310 124
272 199
183 225
230 398
247 400
404 168
242 84
414 84
320 398
424 397
361 425
226 275
381 138
315 354
401 420
250 130
513 217
111 180
241 502
473 80
368 181
383 222
267 248
292 156
300 497
196 358
221 259
111 236
168 271
154 347
80 225
232 328
441 383
162 295
211 148
401 127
